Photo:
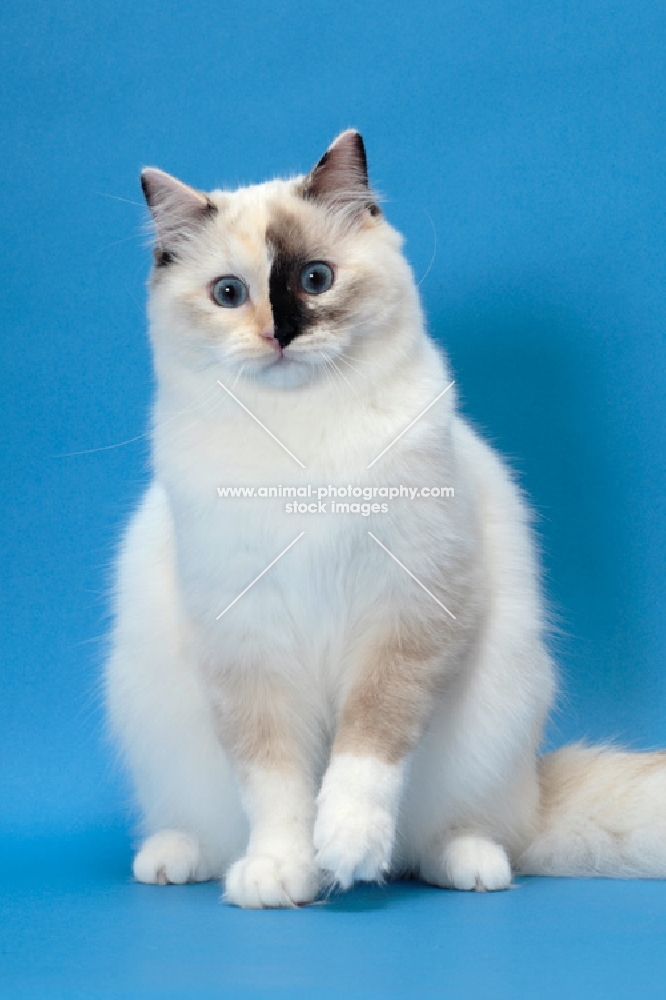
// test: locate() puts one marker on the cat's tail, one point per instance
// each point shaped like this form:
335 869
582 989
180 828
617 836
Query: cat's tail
603 812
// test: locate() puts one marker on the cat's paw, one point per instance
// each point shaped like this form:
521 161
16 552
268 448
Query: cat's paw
470 862
354 843
258 881
355 825
169 856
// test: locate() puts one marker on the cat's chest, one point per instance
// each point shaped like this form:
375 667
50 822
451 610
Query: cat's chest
241 523
298 543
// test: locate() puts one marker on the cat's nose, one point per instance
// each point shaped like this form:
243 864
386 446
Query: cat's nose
268 333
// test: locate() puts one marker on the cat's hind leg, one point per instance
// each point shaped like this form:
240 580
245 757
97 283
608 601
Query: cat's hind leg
191 812
468 861
472 797
170 857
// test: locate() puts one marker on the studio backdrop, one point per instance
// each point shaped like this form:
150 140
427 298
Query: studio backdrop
521 149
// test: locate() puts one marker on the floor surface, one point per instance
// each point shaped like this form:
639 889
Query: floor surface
73 925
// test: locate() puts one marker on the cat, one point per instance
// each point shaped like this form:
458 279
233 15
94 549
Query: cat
306 699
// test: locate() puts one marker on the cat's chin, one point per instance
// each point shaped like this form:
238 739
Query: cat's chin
285 373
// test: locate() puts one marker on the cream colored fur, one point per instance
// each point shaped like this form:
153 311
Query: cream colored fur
336 724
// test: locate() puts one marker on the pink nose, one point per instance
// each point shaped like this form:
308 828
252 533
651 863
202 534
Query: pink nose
268 333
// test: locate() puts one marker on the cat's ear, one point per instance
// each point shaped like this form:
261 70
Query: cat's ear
177 211
341 176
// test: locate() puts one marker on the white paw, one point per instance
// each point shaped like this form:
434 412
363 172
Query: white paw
354 842
476 863
355 825
257 881
169 856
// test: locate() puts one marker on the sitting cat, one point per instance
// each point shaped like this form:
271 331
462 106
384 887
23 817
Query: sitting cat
307 698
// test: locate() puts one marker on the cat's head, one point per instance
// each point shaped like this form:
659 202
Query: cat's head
276 279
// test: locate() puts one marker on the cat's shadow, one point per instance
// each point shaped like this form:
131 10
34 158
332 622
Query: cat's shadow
368 896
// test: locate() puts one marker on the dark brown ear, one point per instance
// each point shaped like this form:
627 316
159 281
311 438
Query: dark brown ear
176 210
341 176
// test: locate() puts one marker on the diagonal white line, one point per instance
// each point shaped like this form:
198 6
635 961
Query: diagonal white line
410 425
416 580
259 577
263 426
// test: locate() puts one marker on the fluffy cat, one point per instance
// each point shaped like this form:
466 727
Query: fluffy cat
372 705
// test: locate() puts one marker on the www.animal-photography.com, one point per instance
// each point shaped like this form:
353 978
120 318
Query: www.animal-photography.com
333 487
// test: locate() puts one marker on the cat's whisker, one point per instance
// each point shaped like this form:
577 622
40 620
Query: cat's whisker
205 410
344 378
134 300
115 197
360 361
427 271
434 250
125 239
139 437
330 374
207 413
203 406
104 447
336 377
343 358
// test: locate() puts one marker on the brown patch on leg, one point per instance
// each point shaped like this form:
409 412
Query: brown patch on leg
258 723
388 704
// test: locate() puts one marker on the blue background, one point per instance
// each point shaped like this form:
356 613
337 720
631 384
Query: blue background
524 145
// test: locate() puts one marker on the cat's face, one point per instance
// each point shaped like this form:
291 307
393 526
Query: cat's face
275 280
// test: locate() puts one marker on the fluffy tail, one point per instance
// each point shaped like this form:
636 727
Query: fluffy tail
603 812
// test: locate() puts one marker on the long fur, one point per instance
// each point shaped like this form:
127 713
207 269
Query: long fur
336 723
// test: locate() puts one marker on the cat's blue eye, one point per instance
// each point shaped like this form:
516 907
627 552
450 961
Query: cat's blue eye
316 277
229 292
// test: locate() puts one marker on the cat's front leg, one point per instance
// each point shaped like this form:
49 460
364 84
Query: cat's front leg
278 867
380 723
356 817
260 729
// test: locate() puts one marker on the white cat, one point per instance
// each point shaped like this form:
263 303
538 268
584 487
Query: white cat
373 704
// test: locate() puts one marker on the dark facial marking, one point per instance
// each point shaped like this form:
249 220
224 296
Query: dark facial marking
344 310
164 257
291 314
294 311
